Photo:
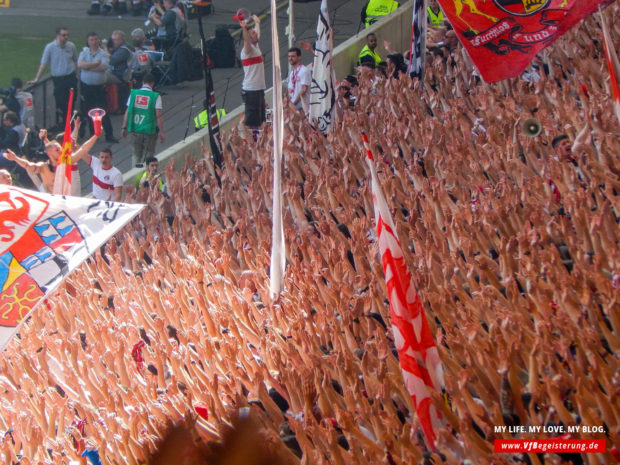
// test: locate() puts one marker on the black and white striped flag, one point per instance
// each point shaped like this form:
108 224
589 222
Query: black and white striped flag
323 88
418 40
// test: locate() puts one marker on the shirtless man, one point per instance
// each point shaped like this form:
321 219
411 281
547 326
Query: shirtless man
47 169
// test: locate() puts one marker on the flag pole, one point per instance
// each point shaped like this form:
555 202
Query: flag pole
612 64
209 100
291 24
278 247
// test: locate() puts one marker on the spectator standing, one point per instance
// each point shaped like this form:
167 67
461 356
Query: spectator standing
9 132
253 86
169 22
46 170
107 179
434 14
93 63
142 63
299 80
26 103
143 119
375 9
120 58
10 102
368 53
61 56
19 105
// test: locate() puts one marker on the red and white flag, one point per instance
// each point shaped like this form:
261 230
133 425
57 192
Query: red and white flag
418 355
43 238
503 36
612 64
278 247
62 177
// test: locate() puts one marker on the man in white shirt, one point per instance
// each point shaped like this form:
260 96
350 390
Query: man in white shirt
299 80
107 179
253 86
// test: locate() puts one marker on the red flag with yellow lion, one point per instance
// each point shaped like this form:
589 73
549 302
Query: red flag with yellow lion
503 36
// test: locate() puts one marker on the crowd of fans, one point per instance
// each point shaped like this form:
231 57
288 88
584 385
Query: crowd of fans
102 75
512 243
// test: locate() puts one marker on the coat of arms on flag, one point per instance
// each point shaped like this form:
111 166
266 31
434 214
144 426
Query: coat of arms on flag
514 29
42 239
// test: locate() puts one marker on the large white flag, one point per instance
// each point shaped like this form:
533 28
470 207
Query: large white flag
323 88
278 248
43 238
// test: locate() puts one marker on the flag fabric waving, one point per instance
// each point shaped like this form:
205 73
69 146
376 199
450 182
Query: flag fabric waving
418 355
278 248
323 87
417 50
213 122
43 238
503 36
612 64
62 177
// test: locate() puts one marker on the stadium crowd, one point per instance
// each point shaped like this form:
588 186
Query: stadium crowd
512 244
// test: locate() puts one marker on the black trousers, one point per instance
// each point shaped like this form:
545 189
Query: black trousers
94 97
62 85
254 107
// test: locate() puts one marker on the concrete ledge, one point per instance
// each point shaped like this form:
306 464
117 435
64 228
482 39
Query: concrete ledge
396 28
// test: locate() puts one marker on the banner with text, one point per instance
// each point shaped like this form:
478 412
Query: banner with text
43 238
512 30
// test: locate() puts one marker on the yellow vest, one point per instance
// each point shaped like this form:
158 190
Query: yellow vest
160 182
202 120
367 52
436 20
377 8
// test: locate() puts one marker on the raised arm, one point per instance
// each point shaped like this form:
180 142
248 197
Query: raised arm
247 38
82 152
26 164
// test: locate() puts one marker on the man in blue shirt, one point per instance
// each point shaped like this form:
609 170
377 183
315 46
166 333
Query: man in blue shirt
93 63
61 56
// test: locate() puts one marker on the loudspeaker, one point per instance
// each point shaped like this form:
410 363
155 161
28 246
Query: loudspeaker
531 127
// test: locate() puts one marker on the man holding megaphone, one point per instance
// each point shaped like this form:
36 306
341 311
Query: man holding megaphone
253 86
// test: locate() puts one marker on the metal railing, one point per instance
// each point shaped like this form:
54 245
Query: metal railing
395 28
44 102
